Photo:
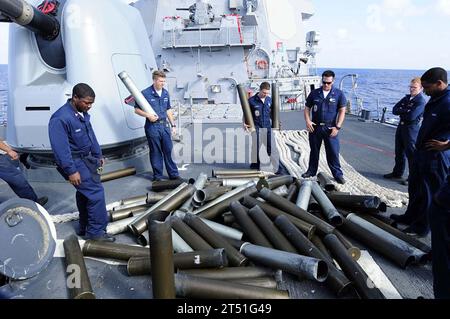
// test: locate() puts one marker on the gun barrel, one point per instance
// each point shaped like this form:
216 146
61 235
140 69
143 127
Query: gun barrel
24 14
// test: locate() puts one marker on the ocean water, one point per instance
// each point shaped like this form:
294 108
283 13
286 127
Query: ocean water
3 92
376 88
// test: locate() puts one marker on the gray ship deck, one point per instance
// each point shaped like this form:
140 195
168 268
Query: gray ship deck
368 147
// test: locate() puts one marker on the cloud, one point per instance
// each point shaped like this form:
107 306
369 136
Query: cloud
405 8
443 6
342 33
374 20
394 15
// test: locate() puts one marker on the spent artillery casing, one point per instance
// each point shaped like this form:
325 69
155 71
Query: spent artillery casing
210 193
321 246
383 242
121 214
275 237
241 176
263 282
169 203
281 191
313 204
386 220
82 288
235 243
325 182
189 235
198 184
131 200
196 287
117 174
248 117
236 182
230 273
121 226
220 205
213 258
234 172
275 182
365 204
275 108
273 213
292 193
365 287
179 245
165 185
225 231
128 205
397 233
161 256
353 251
99 249
304 194
311 268
251 230
141 101
292 209
336 280
235 258
327 206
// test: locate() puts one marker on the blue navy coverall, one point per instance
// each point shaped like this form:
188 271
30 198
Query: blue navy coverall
324 115
158 134
410 112
440 241
429 168
76 149
261 112
15 179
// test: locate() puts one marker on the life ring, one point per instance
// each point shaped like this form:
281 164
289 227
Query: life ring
262 64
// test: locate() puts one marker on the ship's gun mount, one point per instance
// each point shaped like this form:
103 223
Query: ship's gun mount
24 14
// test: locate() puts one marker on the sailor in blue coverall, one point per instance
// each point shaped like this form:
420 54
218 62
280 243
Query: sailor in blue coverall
11 174
431 161
328 114
440 241
260 105
78 157
159 135
410 109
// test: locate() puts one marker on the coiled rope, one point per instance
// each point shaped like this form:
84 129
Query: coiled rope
356 183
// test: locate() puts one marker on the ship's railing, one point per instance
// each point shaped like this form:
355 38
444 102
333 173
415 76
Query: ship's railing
209 37
3 106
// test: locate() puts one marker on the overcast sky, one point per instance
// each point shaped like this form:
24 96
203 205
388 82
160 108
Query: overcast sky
391 34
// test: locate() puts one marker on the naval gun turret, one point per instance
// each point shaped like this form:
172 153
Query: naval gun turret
208 47
53 50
